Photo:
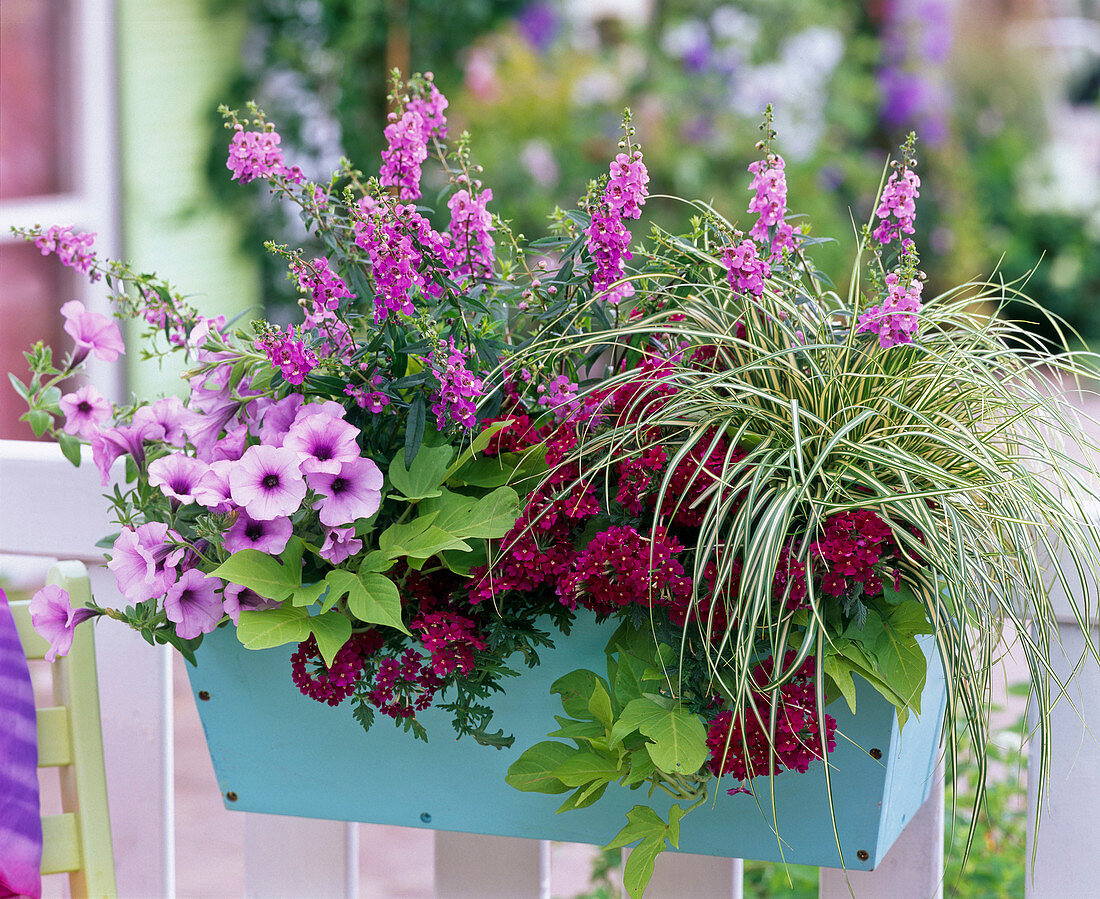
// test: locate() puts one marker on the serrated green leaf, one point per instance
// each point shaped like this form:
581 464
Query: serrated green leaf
532 772
273 627
331 630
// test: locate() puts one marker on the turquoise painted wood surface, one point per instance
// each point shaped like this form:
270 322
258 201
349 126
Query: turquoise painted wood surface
278 752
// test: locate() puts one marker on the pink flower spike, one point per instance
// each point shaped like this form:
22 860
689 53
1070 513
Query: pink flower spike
340 544
177 476
72 248
55 619
324 442
267 536
353 493
237 599
193 605
85 410
267 482
92 332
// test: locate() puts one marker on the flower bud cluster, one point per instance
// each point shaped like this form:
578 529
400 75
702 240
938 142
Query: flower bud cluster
256 154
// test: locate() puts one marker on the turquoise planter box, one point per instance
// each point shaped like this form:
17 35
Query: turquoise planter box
278 752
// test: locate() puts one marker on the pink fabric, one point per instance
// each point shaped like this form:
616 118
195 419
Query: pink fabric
20 824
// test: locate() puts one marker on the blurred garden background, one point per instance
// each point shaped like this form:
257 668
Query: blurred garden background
108 121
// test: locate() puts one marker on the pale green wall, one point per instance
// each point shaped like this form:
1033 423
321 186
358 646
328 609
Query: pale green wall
173 55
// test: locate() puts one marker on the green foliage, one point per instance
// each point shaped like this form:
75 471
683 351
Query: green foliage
622 731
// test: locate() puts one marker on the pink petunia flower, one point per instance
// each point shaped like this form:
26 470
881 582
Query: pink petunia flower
213 491
92 332
126 440
177 476
237 599
193 605
85 410
170 414
324 442
55 619
271 419
352 493
251 533
143 562
267 482
340 544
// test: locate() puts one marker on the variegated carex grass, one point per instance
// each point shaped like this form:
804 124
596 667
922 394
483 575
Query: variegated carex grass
965 441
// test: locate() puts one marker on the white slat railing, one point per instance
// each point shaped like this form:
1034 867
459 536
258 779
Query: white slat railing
49 508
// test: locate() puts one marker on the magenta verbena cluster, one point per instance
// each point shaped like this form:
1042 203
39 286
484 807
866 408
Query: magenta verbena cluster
334 683
402 687
747 747
451 640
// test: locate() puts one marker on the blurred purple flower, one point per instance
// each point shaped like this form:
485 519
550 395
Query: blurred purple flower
539 24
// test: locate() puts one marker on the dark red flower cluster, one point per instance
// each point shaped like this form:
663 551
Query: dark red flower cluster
698 472
742 747
789 583
852 545
636 477
450 639
336 683
709 609
620 566
512 438
403 688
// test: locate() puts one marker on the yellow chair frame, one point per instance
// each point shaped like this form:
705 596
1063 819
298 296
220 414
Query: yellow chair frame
77 841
